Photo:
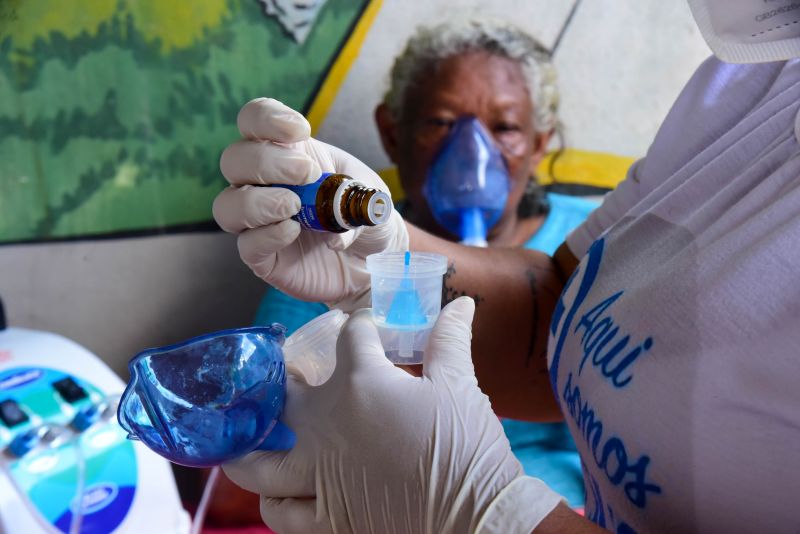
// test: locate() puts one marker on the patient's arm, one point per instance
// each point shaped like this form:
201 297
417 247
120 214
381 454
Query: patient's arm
515 291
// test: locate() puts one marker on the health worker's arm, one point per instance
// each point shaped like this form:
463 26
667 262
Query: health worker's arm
515 291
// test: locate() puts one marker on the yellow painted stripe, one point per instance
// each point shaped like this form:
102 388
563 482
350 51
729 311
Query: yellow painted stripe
330 87
584 167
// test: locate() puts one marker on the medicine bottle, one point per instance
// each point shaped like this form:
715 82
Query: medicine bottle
337 203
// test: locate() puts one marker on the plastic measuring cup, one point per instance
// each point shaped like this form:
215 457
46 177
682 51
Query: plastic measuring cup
406 299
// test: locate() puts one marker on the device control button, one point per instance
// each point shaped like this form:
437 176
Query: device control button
86 417
69 390
23 443
11 413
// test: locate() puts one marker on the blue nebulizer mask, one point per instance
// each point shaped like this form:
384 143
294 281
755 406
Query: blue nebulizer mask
210 399
468 183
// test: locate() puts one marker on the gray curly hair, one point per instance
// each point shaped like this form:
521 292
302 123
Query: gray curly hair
431 45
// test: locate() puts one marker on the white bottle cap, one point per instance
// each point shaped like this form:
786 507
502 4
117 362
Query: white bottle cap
379 208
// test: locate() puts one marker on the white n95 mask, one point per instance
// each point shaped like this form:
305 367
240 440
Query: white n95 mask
749 31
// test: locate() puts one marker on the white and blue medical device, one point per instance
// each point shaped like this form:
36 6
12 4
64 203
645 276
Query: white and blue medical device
65 463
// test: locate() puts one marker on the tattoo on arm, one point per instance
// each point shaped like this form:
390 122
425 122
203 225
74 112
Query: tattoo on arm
535 296
534 314
449 293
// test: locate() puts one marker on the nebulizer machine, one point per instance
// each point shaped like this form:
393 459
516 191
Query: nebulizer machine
66 465
467 184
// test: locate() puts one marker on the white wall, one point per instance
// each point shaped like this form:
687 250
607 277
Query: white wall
118 297
621 64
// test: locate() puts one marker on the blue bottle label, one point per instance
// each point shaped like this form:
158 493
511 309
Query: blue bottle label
307 216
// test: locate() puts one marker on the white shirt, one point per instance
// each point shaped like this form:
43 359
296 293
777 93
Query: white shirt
675 351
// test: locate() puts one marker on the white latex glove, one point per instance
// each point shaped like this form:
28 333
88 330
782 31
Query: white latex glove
381 451
314 266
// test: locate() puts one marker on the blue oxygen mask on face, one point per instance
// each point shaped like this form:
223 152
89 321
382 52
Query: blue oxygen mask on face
468 183
210 399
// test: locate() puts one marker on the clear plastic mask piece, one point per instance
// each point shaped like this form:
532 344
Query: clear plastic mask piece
210 399
310 351
468 183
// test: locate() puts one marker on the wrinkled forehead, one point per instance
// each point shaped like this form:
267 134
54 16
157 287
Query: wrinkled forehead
469 82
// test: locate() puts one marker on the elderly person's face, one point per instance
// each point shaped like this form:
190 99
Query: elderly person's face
489 87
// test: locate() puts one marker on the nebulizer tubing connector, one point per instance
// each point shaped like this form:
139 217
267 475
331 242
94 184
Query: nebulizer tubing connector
473 228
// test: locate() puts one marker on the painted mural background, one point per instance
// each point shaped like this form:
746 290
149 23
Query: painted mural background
113 113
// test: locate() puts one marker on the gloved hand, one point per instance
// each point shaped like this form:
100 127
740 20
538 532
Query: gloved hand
381 451
314 266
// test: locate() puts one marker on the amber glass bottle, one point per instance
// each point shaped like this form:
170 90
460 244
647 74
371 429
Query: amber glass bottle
337 203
